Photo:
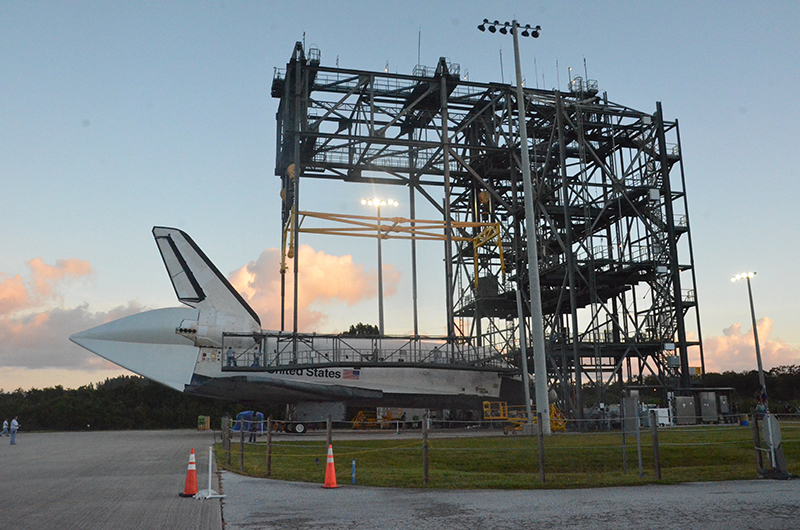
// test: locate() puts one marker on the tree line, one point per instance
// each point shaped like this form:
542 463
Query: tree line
132 402
125 402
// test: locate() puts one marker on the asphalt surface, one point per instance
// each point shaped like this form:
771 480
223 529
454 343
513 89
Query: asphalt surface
267 504
93 480
131 479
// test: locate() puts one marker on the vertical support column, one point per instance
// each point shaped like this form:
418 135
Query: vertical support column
448 249
691 256
299 112
573 302
673 246
412 213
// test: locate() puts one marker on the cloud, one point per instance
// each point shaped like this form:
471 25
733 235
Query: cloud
13 294
16 294
34 331
46 276
324 280
735 350
41 339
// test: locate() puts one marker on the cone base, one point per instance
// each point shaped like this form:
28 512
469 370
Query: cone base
186 494
331 487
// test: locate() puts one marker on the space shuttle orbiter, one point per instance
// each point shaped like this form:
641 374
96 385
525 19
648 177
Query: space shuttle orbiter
215 347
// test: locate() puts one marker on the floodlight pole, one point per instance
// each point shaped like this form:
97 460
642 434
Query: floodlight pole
377 203
537 326
761 381
380 275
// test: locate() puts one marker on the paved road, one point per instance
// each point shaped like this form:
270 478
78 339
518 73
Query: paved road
121 480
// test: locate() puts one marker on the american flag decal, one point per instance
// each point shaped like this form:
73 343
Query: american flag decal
348 373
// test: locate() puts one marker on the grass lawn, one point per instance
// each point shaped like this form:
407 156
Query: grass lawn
689 454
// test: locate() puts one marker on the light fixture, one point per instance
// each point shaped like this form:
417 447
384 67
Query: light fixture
509 27
742 276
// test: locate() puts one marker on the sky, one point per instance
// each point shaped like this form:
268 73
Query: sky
119 116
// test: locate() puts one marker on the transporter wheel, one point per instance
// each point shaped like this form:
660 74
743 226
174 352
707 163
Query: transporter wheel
299 428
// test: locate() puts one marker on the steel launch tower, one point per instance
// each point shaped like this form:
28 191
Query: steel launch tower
616 266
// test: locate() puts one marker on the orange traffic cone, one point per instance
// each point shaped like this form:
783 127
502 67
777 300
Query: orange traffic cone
191 478
330 471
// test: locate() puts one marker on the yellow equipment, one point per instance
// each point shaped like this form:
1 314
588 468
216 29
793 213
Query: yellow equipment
366 419
517 417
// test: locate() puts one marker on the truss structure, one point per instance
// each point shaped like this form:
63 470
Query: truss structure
615 257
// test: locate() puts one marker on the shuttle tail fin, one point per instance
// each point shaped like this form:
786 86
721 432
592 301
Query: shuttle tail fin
199 284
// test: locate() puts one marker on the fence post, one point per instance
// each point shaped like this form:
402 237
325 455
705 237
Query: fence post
624 439
540 434
656 455
226 437
241 449
639 442
425 450
269 447
757 442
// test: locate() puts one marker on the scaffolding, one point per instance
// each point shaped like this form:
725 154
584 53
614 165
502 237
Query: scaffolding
616 266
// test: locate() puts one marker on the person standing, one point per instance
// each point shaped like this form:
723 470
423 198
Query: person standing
14 428
5 428
253 427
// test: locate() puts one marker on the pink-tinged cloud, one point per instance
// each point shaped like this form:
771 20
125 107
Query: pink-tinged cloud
41 339
13 294
34 331
18 294
324 280
45 276
735 349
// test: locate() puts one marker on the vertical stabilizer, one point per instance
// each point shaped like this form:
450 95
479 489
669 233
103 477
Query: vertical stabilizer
199 284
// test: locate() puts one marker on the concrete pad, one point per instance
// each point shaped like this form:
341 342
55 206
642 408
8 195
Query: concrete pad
93 480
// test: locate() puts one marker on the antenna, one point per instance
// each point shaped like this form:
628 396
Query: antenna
337 61
585 71
419 46
502 78
558 77
304 40
536 73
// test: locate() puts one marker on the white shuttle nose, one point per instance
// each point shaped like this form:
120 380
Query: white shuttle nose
146 343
